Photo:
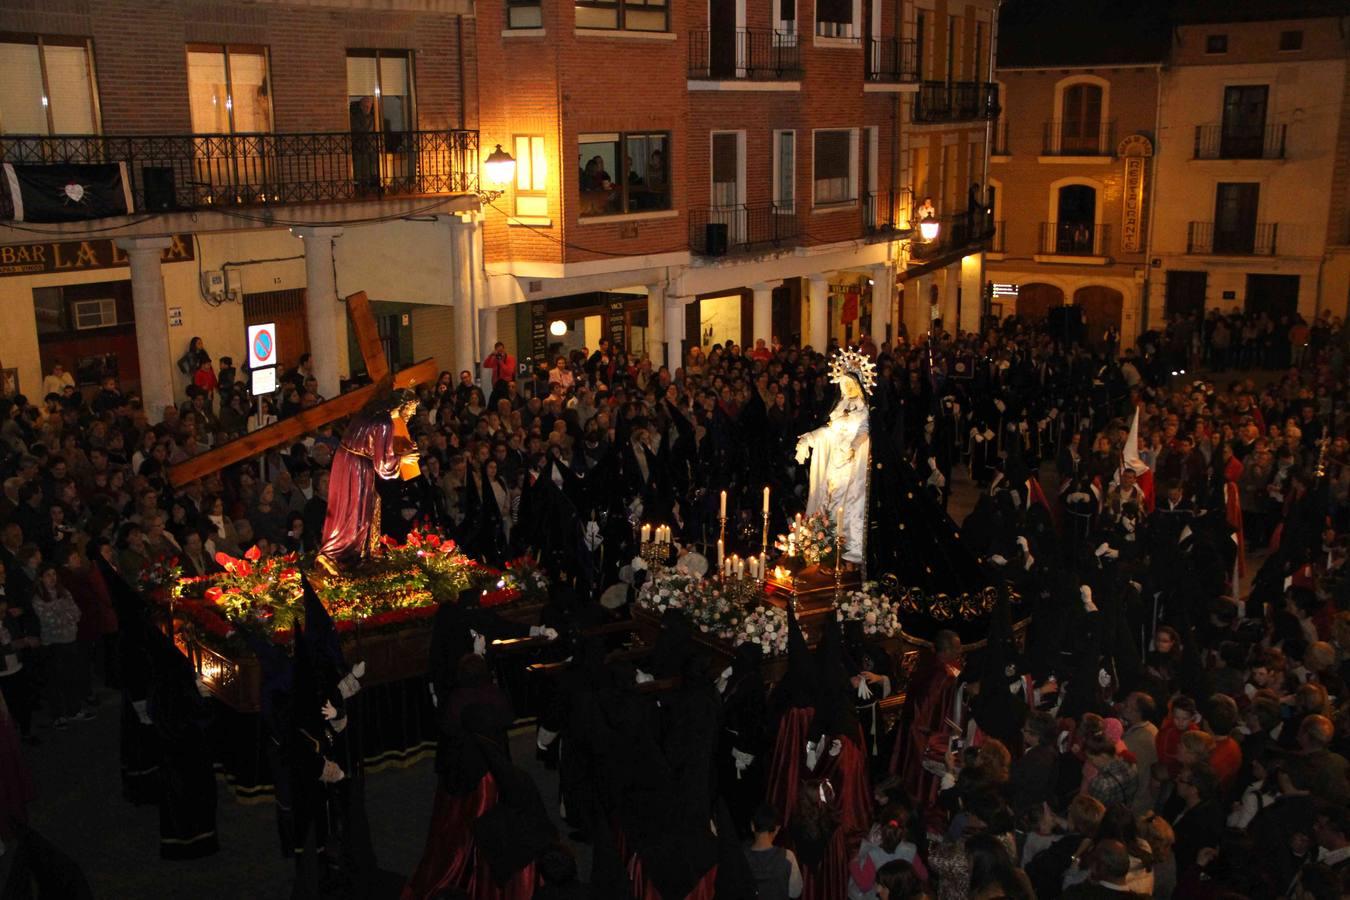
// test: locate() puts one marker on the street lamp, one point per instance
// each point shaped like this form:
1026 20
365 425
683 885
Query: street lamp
558 328
929 228
498 171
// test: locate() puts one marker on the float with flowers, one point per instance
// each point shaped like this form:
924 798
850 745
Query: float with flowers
382 609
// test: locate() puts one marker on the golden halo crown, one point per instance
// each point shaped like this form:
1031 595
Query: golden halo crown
851 362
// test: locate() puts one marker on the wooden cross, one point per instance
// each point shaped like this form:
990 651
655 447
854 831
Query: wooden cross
290 430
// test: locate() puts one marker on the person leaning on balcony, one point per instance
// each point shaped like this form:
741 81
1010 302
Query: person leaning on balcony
926 210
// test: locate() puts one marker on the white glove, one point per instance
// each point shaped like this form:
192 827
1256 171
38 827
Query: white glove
359 670
1022 542
836 747
1000 406
435 701
479 643
142 712
543 631
812 754
743 761
864 692
1105 550
1031 561
329 710
1086 593
202 689
544 738
349 686
998 560
643 677
723 679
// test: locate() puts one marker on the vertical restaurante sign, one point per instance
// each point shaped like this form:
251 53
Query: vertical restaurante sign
1134 150
47 257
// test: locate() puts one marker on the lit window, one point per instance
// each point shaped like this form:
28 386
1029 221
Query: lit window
531 177
94 313
624 172
49 86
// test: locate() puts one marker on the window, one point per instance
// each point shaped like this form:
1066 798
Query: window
787 21
626 15
920 38
951 48
624 172
1081 126
385 78
979 50
837 19
1235 205
531 177
1216 43
1291 40
834 163
49 86
228 90
524 14
94 313
785 170
1243 135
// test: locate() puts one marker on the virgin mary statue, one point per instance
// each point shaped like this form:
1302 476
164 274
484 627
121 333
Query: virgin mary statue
839 452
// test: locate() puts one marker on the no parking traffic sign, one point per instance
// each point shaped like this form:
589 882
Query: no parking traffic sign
262 345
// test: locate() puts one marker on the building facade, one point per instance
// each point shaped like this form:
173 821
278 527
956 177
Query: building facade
276 158
1249 118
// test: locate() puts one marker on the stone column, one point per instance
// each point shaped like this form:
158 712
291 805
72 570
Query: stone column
883 294
675 331
819 302
325 317
461 292
656 324
762 321
972 291
487 339
152 322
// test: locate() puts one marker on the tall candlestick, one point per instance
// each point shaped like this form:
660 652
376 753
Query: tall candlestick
766 500
723 513
721 554
646 533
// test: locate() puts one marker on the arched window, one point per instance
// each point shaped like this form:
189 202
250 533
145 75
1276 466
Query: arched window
1080 126
1075 228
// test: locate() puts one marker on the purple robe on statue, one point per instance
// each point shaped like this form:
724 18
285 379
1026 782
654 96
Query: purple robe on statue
372 446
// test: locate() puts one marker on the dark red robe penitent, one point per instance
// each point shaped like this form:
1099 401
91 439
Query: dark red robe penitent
928 708
371 447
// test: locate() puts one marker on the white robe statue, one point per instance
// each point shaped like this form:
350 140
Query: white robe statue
840 451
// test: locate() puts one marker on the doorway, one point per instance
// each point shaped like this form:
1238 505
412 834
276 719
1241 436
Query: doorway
1244 121
1274 295
287 310
1185 294
1235 217
722 39
1075 227
1102 308
1034 301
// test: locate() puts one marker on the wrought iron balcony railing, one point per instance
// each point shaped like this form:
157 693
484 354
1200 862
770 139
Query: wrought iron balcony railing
1218 142
891 61
1252 239
955 231
204 171
744 55
956 101
881 210
1072 138
719 230
1075 238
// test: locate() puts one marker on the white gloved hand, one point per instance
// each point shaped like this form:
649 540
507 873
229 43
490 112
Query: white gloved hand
142 712
479 643
864 692
836 747
329 710
743 761
642 677
998 560
544 632
359 670
1031 561
1022 542
543 738
349 686
1086 593
812 754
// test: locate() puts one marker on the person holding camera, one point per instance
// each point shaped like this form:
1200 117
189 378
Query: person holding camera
501 364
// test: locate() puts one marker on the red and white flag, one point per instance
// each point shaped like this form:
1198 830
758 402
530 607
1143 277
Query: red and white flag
1130 459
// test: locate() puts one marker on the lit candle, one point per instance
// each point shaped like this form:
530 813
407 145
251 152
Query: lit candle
646 533
792 545
766 500
723 513
763 565
721 554
740 568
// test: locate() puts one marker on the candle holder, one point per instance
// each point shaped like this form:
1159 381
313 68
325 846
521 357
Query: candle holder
838 565
721 538
655 554
764 548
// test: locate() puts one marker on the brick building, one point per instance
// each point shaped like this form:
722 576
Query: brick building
271 151
749 175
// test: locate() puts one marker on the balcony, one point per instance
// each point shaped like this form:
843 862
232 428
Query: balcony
211 171
1214 142
1258 239
881 210
1078 239
956 101
891 61
719 230
744 55
1070 138
955 232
